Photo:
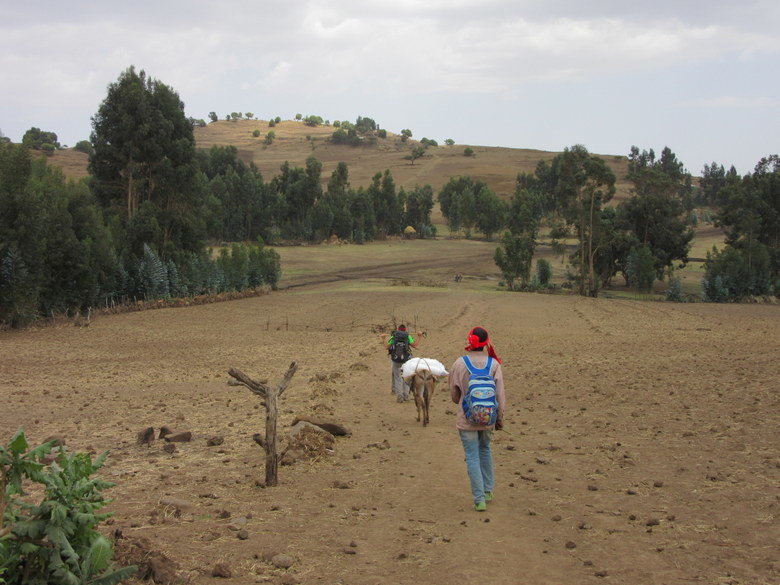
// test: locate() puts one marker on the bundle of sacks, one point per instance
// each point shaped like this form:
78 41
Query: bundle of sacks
435 367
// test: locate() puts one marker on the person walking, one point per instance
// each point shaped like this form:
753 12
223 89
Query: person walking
477 387
399 345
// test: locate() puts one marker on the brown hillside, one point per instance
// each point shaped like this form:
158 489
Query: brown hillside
295 142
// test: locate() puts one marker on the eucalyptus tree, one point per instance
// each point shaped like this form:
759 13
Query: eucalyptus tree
584 183
144 151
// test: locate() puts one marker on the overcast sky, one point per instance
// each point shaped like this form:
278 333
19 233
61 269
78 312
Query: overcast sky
699 77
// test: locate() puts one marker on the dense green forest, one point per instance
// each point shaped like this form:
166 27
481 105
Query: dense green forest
138 227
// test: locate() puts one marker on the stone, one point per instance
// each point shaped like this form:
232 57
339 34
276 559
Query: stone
221 570
146 436
282 561
180 437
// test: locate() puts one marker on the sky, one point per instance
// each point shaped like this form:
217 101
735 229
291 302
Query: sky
699 77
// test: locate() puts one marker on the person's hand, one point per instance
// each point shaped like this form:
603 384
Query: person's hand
499 424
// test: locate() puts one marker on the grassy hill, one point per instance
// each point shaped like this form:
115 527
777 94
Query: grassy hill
295 142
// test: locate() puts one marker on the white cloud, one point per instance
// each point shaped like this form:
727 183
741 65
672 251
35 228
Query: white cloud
733 102
238 54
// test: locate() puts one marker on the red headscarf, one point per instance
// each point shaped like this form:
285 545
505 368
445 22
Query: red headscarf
475 343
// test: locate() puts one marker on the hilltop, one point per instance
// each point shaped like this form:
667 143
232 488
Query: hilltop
295 142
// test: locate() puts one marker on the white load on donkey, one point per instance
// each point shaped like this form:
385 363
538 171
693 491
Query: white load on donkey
424 373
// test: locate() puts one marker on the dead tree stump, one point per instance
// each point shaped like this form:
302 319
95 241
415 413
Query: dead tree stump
270 398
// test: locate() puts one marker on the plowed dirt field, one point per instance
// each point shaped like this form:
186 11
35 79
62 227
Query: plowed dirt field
641 442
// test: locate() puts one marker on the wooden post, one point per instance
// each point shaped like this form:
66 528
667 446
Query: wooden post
271 401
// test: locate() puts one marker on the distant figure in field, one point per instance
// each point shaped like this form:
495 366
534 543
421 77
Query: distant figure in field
458 277
399 346
477 387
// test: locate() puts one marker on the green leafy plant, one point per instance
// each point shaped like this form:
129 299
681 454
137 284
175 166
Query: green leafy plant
53 540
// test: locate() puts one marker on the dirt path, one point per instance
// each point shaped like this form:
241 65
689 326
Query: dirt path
643 446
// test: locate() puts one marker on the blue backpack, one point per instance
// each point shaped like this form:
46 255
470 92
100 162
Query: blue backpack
480 402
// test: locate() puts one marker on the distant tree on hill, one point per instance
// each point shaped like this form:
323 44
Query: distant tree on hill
468 151
36 138
417 152
364 125
249 115
713 180
406 134
213 116
312 120
299 117
84 146
271 123
449 142
270 137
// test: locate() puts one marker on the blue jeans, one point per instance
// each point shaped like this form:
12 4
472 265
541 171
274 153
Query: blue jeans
479 462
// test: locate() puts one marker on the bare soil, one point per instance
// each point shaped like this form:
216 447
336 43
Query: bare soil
641 444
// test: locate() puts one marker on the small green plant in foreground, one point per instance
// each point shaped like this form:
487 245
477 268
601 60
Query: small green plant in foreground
53 541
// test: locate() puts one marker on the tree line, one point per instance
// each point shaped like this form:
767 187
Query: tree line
137 227
644 238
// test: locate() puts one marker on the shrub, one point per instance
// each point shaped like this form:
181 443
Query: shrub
84 146
543 272
742 271
675 293
468 151
256 133
640 269
271 123
53 541
713 291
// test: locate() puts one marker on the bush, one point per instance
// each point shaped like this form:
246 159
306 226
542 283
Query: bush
468 151
53 541
640 269
675 293
543 272
84 146
256 133
36 138
739 271
713 291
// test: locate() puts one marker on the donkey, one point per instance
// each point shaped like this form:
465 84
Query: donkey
422 385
